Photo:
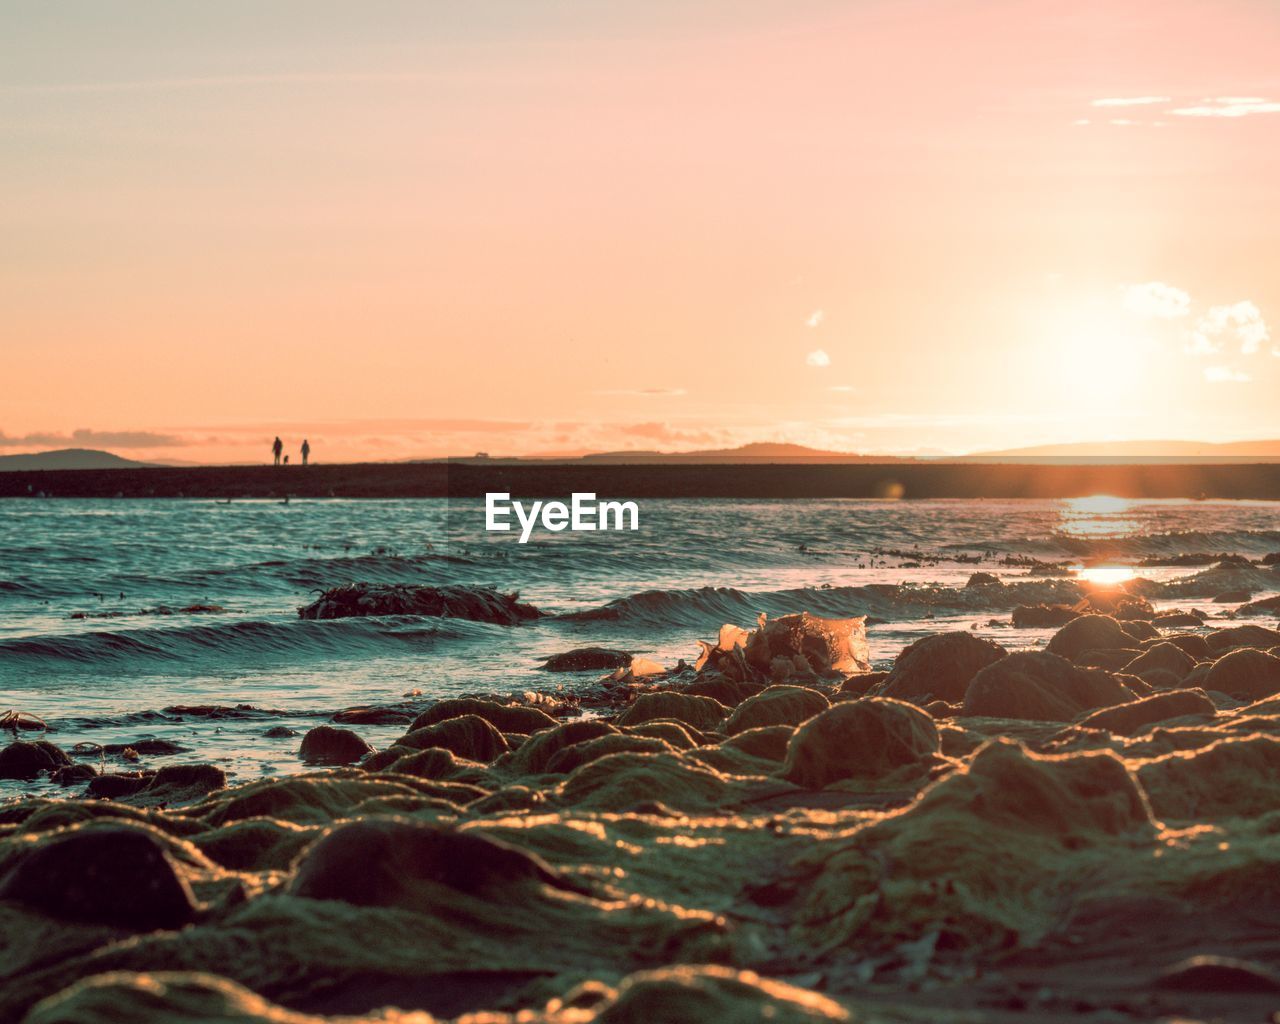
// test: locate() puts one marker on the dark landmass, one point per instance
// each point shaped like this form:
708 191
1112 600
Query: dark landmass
1139 451
67 458
471 478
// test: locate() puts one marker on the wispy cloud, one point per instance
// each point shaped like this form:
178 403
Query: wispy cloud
1225 375
815 318
1230 106
818 359
1156 300
218 82
94 438
1131 101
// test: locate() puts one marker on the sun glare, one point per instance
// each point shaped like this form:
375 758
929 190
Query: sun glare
1106 575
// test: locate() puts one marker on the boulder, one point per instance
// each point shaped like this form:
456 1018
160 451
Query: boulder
503 717
865 738
1246 674
479 604
1222 640
111 875
939 666
535 753
699 712
1040 686
468 736
587 659
1089 633
24 760
1128 719
1044 616
777 705
1162 656
1192 643
329 744
983 579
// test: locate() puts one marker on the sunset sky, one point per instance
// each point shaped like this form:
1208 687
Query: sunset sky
411 229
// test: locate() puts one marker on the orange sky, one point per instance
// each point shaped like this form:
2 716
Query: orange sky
413 229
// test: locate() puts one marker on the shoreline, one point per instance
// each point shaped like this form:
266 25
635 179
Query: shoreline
468 479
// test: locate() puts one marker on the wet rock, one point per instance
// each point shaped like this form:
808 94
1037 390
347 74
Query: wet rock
503 717
468 736
1268 605
479 604
1222 640
678 735
1039 686
1044 616
864 738
823 645
777 705
1139 629
699 712
939 666
1246 674
73 774
627 782
1162 679
535 753
1176 620
1234 777
328 744
587 659
397 862
1089 633
24 760
280 732
1131 718
983 579
107 875
1219 974
183 783
1167 656
371 716
1232 596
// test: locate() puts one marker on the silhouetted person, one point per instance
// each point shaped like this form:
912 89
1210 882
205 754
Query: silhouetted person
306 450
277 446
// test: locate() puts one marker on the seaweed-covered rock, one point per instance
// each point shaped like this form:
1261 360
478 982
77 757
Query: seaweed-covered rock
1089 633
1222 640
479 604
1039 686
571 758
115 785
503 717
468 736
699 712
398 862
371 716
587 659
1044 616
328 744
871 737
1128 719
1232 777
1245 673
777 705
939 666
24 760
1167 656
1193 644
109 875
535 753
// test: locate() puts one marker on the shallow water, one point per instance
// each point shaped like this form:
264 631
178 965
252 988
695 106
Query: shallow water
107 676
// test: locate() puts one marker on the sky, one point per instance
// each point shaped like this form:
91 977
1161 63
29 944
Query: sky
518 226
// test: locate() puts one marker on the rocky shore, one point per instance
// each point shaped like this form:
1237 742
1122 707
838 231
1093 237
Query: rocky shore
1085 832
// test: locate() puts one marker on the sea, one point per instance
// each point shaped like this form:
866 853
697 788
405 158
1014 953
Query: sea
123 621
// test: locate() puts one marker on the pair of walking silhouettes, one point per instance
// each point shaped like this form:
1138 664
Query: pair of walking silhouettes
277 448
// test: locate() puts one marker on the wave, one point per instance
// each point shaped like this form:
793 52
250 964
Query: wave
1169 543
242 640
711 606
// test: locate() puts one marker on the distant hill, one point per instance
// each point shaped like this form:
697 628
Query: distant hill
761 451
67 458
1136 451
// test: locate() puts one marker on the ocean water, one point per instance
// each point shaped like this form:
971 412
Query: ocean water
95 636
